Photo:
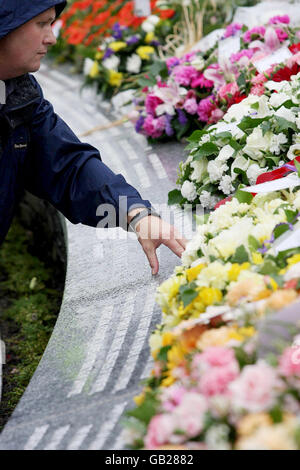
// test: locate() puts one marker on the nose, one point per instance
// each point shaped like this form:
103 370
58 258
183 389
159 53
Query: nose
49 39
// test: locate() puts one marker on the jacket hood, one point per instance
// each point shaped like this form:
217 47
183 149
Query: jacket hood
14 13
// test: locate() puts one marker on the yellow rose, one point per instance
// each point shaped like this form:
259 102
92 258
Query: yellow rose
145 51
210 295
117 45
192 273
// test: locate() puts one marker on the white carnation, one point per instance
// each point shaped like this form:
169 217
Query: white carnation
276 141
188 191
226 185
215 170
134 63
207 200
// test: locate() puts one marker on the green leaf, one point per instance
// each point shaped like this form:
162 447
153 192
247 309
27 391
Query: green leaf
269 267
253 243
206 150
276 414
175 197
297 165
163 353
196 136
188 293
265 126
250 123
280 230
145 411
223 135
243 196
241 256
283 124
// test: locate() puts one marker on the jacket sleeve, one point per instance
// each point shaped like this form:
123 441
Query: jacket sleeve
70 174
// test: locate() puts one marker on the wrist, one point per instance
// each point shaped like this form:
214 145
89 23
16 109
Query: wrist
140 215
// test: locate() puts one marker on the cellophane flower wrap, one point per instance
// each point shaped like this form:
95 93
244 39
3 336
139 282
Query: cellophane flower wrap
197 89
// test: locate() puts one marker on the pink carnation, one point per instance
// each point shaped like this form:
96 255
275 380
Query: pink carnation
172 397
289 363
282 35
154 127
228 89
217 356
258 90
184 74
160 430
151 103
191 106
205 108
243 53
259 79
254 390
201 81
216 380
256 31
215 116
285 19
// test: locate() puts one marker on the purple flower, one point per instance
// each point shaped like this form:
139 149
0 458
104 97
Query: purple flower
139 123
181 117
169 129
132 40
109 52
172 62
117 31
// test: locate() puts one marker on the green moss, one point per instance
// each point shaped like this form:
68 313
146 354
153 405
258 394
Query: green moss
30 297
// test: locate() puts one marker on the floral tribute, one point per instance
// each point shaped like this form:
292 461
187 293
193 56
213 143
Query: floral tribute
254 136
211 388
200 87
123 55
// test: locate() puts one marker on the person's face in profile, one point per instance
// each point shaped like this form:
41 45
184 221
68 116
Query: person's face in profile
21 50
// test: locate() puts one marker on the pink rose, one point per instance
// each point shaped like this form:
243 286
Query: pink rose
289 363
255 389
172 397
190 414
216 380
151 103
159 431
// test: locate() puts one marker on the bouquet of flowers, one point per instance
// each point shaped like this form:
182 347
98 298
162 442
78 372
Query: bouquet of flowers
232 261
256 135
222 396
123 56
201 86
86 23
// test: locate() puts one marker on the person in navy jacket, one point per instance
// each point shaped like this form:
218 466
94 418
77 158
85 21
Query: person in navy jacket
40 153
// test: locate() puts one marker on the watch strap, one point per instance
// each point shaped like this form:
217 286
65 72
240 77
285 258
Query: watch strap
144 213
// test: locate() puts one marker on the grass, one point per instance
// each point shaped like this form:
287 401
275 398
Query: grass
30 298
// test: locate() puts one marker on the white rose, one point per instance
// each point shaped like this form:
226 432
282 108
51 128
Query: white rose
188 191
215 170
134 63
257 143
111 63
200 168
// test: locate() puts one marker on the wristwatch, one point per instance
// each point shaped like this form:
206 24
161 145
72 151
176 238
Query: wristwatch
144 213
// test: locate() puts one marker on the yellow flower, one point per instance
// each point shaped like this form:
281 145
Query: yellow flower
257 258
117 45
94 72
167 339
273 284
168 381
210 295
99 55
240 334
115 78
139 399
149 37
293 260
192 273
145 51
236 269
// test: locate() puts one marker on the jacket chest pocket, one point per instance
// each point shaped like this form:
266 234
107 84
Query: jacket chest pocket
20 143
